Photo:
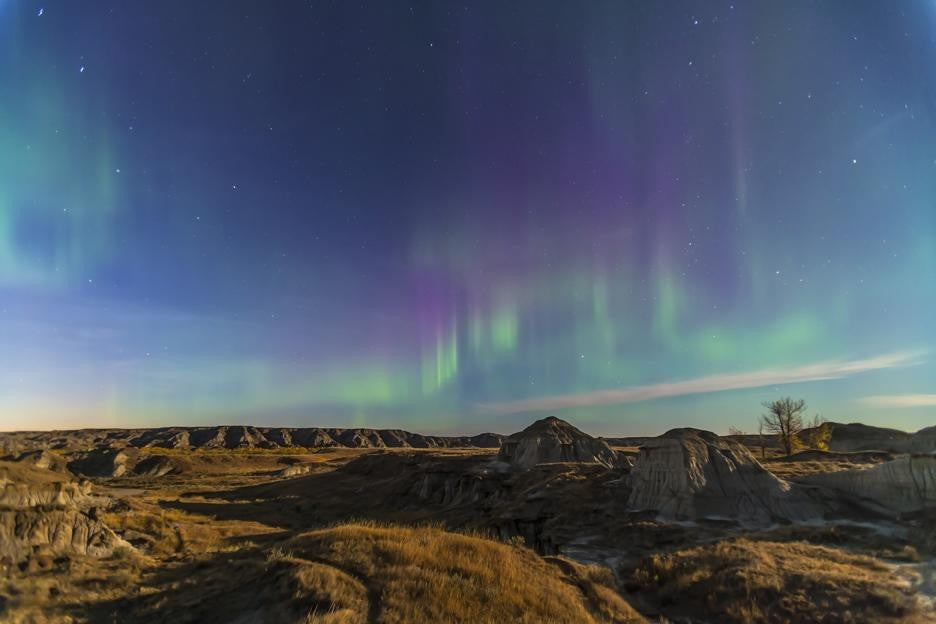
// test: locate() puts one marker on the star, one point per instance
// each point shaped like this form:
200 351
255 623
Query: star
81 70
41 11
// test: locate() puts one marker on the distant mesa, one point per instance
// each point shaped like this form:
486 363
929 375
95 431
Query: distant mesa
860 437
247 437
690 474
237 437
552 440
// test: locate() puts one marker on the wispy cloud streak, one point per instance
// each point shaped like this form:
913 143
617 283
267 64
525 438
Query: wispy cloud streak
835 369
899 400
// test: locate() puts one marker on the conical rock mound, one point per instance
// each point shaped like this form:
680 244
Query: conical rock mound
553 440
689 474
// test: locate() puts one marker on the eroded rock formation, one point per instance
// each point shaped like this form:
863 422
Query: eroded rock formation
237 437
553 440
688 474
48 511
905 484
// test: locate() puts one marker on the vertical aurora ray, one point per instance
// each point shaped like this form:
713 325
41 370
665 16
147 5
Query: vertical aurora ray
439 362
59 189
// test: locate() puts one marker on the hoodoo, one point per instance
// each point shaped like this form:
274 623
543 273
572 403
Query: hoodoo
689 474
553 440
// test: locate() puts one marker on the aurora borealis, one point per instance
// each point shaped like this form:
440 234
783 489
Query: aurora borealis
457 218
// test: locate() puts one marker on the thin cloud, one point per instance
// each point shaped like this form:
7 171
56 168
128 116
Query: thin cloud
714 383
899 400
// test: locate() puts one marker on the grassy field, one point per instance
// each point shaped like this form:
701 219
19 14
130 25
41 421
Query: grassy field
748 581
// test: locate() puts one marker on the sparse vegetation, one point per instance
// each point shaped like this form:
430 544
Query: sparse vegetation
784 418
751 582
428 574
226 537
818 434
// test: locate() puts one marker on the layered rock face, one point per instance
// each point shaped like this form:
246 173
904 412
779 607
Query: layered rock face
24 486
239 437
553 440
41 510
906 484
113 463
688 474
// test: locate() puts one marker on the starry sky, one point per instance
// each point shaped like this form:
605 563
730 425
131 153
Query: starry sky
459 217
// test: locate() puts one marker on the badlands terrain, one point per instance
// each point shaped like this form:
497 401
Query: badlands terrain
263 525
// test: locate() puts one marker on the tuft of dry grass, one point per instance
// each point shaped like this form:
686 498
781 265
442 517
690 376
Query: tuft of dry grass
748 581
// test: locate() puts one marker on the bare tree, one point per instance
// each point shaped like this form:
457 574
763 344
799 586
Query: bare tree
784 418
735 431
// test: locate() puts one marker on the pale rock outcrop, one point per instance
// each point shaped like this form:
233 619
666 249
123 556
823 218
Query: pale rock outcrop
23 486
906 484
58 531
553 440
296 470
689 474
41 458
42 509
154 466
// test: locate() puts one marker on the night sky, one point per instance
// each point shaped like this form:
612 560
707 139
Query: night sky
461 217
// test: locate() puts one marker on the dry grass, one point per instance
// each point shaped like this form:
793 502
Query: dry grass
747 581
430 575
45 595
796 469
346 574
162 532
357 573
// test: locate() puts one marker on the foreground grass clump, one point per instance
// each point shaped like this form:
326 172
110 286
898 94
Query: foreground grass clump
430 575
751 581
360 574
